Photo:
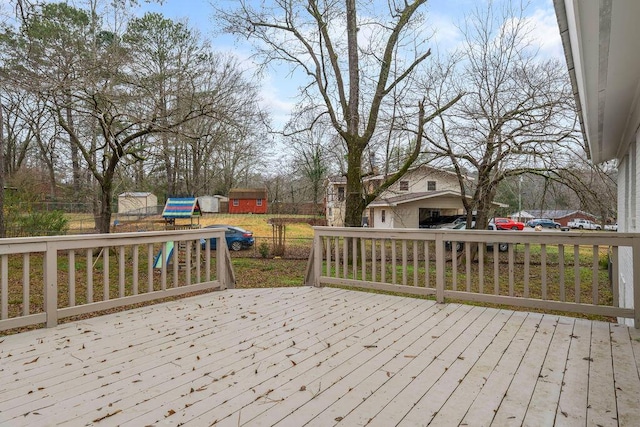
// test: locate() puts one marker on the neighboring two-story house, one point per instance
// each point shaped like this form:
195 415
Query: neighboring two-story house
420 197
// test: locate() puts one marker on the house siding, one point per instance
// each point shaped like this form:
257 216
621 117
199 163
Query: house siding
247 206
628 184
407 215
419 182
245 200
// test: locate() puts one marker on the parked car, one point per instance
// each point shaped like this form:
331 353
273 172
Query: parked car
237 238
611 227
544 223
583 224
507 224
502 247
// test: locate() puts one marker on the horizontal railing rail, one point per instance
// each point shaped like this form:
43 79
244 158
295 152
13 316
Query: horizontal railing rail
44 279
564 271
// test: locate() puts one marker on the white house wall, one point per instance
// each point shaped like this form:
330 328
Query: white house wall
628 205
407 215
389 220
418 183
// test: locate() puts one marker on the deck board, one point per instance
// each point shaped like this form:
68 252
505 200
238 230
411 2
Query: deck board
318 357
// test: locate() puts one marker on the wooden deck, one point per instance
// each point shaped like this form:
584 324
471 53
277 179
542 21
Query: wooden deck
318 357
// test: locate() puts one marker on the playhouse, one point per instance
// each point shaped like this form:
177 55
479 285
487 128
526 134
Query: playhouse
182 213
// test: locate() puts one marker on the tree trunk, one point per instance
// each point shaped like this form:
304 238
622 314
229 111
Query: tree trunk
103 220
75 155
354 199
3 231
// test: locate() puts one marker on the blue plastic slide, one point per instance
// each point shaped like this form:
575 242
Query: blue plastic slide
157 262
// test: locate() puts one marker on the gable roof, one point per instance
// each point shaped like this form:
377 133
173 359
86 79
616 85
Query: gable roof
412 197
181 207
416 197
342 179
248 193
135 194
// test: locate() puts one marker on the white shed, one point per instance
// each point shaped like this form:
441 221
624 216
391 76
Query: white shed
211 204
137 201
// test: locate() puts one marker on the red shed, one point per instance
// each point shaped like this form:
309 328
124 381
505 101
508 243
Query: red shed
248 200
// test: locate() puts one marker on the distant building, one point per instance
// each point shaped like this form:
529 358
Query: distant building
136 202
423 197
212 204
248 200
561 216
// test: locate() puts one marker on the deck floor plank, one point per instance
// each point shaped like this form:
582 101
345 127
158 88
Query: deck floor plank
514 406
347 375
453 411
627 381
572 405
452 369
166 349
96 345
363 403
260 374
543 406
482 409
318 357
601 407
215 365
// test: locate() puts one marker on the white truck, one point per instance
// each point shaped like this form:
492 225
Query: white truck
583 224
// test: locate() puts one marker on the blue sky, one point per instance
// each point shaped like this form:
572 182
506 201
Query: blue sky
443 15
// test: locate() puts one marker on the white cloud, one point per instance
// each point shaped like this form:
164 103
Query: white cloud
545 33
277 98
446 35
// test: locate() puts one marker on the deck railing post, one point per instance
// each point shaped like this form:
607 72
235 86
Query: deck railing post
636 282
221 262
228 275
51 285
440 267
317 261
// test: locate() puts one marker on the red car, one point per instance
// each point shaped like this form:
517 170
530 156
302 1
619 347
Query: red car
507 224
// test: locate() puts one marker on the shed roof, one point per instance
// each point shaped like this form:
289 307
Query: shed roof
135 194
248 193
181 207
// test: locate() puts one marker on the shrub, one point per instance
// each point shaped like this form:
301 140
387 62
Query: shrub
44 223
264 249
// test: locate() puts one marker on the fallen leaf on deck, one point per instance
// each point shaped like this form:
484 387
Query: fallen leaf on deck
33 361
106 416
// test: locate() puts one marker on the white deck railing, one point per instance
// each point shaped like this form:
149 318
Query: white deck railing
43 279
563 271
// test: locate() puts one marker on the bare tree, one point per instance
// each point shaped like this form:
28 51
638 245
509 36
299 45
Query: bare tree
517 115
3 231
352 64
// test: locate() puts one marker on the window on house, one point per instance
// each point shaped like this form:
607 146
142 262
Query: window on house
404 185
259 202
340 194
383 215
431 186
236 202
